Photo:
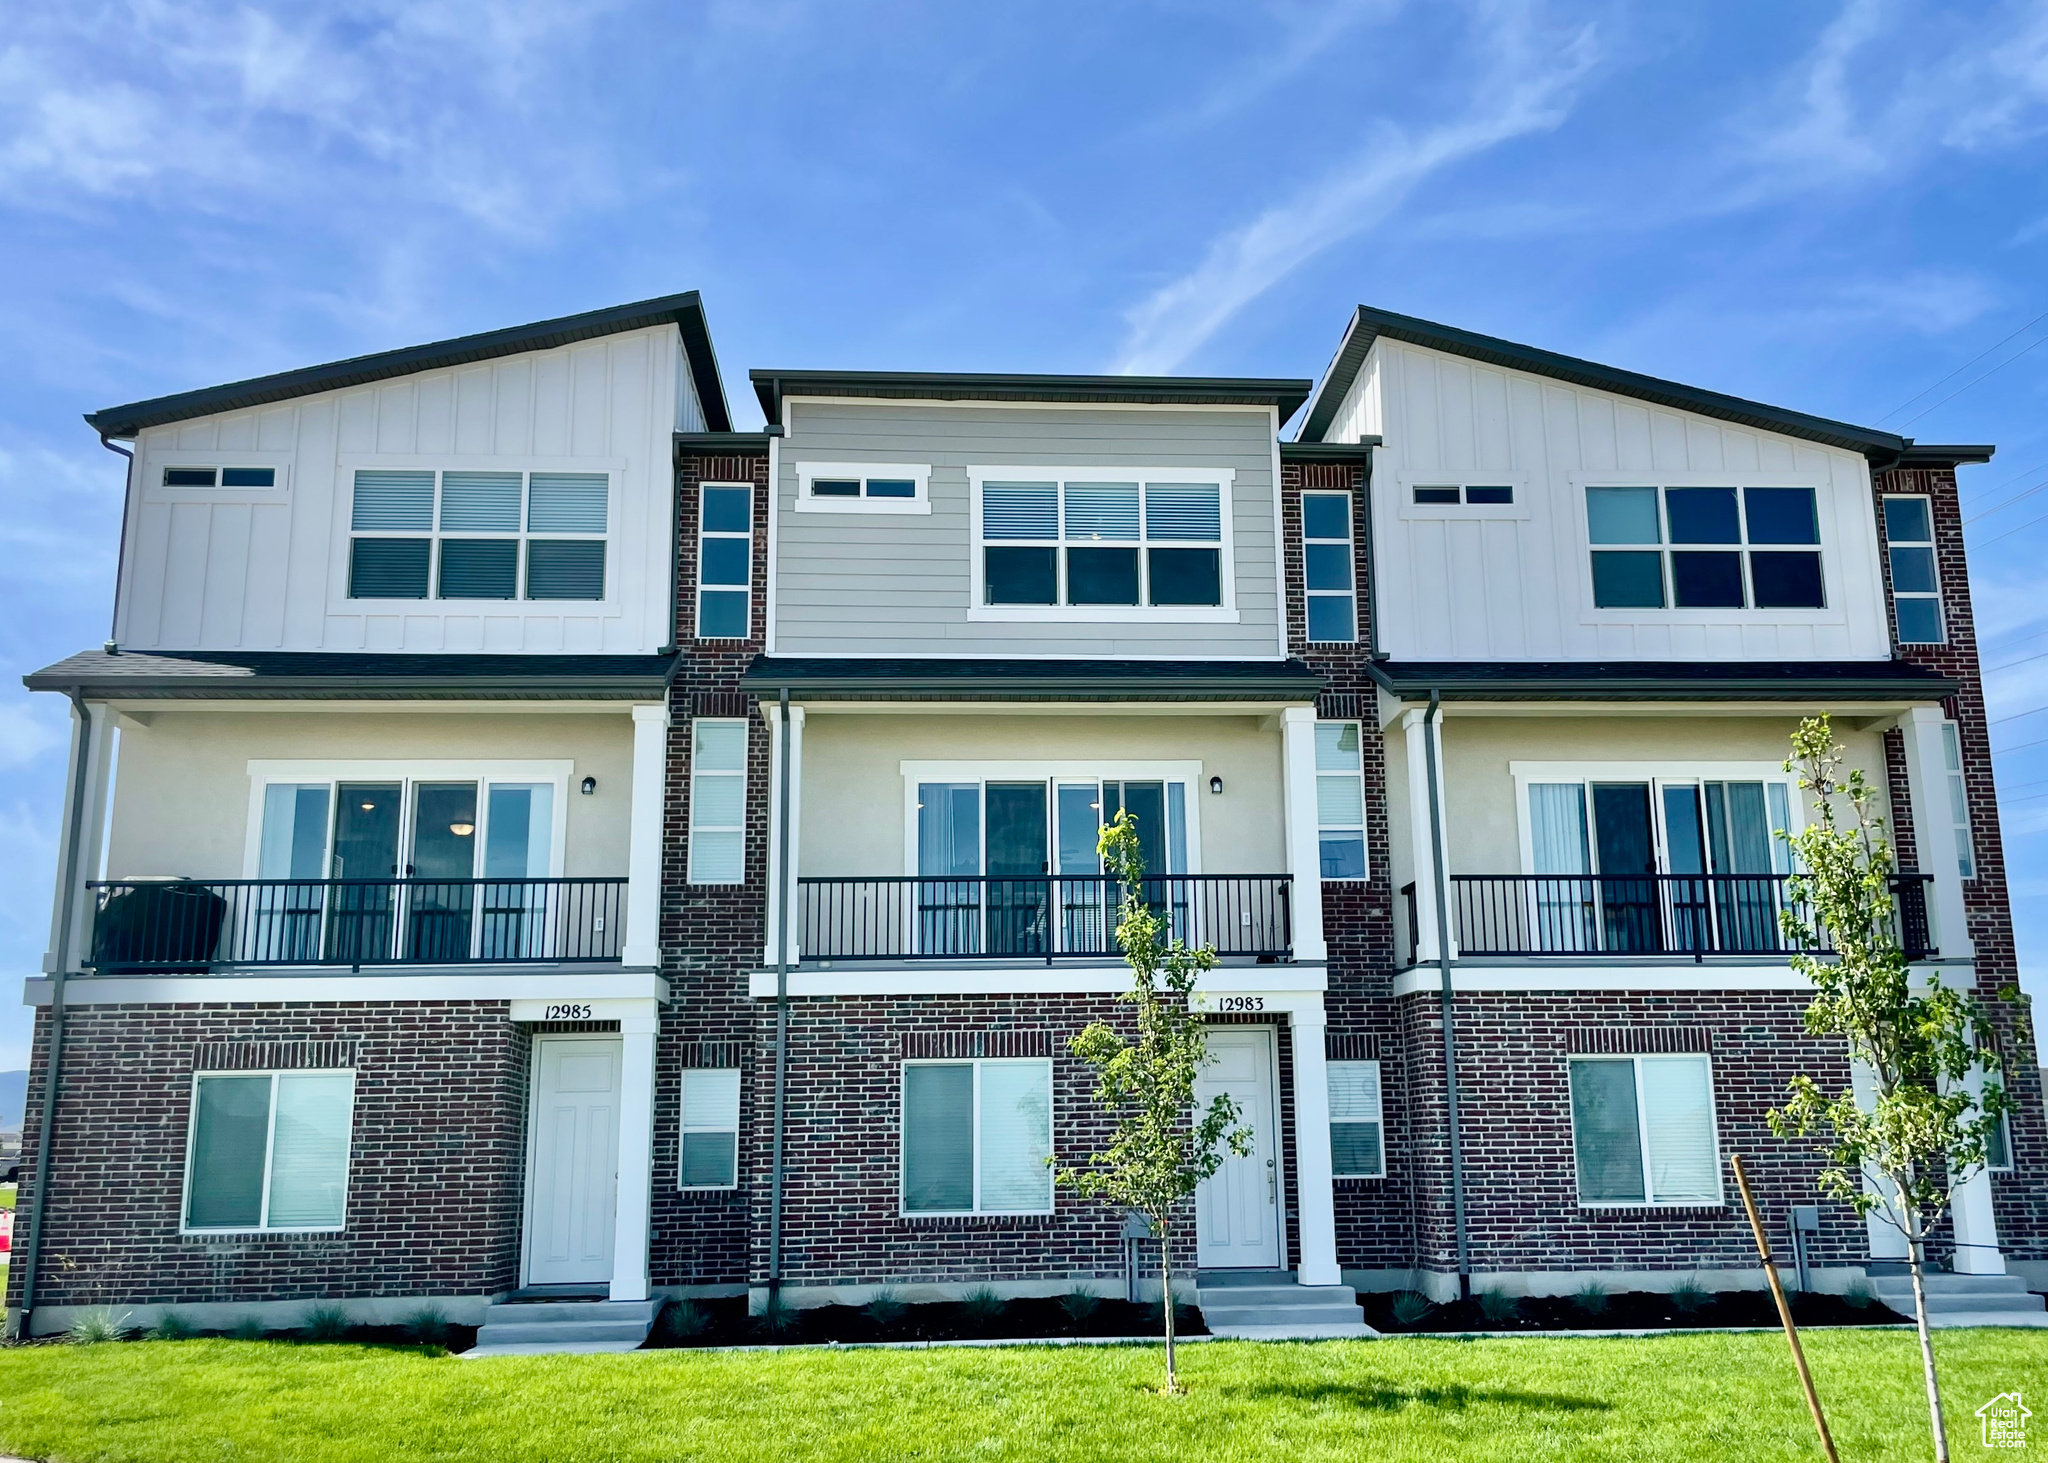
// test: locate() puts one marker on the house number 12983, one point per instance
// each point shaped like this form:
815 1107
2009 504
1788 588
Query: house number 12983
578 1012
1242 1003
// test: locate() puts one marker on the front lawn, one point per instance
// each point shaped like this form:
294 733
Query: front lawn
1698 1395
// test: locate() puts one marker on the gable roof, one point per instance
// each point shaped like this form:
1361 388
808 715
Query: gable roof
1285 396
685 311
1369 325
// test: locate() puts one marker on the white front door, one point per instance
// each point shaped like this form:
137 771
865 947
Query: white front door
573 1160
1237 1212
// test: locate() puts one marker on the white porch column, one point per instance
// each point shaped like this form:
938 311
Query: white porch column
773 712
1304 846
1977 1248
91 823
1933 822
636 1154
1318 1219
642 944
1413 734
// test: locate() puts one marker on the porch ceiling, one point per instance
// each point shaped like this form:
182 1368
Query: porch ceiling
827 679
1810 682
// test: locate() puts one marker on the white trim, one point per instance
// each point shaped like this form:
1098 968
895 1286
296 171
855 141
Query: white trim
1300 827
1223 478
975 404
1643 1132
1277 988
269 1150
1682 974
403 984
408 773
774 518
904 1064
808 473
1280 546
641 943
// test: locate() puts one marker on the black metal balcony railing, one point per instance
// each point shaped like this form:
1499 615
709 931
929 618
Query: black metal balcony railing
193 925
1693 915
1043 918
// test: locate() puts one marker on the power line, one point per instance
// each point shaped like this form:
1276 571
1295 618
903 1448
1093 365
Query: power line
2030 711
2011 531
2005 751
2016 498
1961 389
2038 655
1959 371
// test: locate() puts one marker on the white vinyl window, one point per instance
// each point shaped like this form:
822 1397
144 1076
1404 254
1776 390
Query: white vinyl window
863 487
1692 548
1643 1130
1471 494
220 477
1998 1148
419 533
725 561
718 802
1357 1128
709 1157
1135 548
1340 800
976 1136
1327 561
268 1150
1958 800
1916 580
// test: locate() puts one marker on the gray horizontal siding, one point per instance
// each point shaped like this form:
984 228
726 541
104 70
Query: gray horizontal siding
899 584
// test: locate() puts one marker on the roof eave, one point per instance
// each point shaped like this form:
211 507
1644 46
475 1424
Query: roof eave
1283 395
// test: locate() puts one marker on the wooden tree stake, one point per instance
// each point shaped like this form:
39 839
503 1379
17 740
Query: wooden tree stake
1763 1249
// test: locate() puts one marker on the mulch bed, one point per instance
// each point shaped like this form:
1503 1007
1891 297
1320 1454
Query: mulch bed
1627 1311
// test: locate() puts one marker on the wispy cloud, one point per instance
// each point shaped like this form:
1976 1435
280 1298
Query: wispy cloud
1526 85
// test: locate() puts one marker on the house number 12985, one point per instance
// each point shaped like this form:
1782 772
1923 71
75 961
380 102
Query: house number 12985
1242 1003
577 1012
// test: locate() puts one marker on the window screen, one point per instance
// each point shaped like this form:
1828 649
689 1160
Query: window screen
1643 1130
976 1136
269 1150
709 1156
1357 1148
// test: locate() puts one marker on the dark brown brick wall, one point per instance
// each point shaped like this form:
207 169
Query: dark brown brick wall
2021 1197
435 1170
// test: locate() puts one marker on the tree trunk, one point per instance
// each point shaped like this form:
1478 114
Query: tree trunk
1166 1303
1916 1261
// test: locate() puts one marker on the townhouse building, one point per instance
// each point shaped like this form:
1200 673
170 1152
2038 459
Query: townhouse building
528 840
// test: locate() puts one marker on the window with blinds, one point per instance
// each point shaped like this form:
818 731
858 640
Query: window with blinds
269 1150
417 533
709 1157
718 801
976 1136
1101 544
1643 1130
1357 1142
1340 800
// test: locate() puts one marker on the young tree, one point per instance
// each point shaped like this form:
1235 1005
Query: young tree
1923 1130
1161 1149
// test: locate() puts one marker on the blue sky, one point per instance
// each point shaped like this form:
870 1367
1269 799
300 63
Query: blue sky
1830 207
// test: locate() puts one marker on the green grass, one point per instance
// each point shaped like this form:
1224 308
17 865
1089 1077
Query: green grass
6 1196
1689 1396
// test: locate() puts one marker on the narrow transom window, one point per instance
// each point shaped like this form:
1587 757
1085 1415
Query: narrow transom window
725 561
976 1136
1474 494
718 801
1643 1130
1704 548
269 1150
220 477
1327 563
1958 799
416 533
1916 579
1102 543
1357 1144
709 1157
1340 800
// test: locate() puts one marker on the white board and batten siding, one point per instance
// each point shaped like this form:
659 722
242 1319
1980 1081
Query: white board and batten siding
890 585
267 569
1513 583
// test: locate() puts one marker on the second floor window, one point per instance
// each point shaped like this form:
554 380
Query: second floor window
1340 800
1958 799
1326 563
417 533
1705 548
718 802
1102 544
1916 582
725 562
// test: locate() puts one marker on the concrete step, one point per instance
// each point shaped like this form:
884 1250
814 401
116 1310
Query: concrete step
1267 1305
1946 1320
1313 1331
1214 1316
1277 1295
533 1327
1953 1294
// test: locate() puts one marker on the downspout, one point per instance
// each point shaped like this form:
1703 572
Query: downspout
1443 962
53 1068
781 1009
1372 575
120 549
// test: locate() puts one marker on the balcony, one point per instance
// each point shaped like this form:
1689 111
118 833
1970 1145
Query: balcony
1064 917
174 926
1647 915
